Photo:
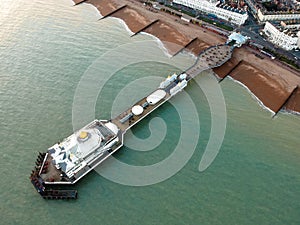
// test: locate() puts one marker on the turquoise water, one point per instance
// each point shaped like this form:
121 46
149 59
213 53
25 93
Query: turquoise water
45 47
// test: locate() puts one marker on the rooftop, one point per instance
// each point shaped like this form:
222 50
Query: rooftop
278 6
231 8
282 27
71 151
238 38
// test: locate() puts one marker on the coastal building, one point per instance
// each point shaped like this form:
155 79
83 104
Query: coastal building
291 24
264 16
253 7
282 21
280 11
281 36
222 11
238 39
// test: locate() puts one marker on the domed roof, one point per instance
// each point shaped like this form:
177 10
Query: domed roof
137 110
83 135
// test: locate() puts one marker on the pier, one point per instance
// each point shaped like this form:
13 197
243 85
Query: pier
65 163
48 193
212 57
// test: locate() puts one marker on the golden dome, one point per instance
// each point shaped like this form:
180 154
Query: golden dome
83 135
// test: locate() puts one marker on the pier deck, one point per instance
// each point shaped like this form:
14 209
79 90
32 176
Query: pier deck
136 118
46 173
210 58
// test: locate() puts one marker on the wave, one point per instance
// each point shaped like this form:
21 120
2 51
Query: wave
288 111
160 44
189 53
92 6
122 22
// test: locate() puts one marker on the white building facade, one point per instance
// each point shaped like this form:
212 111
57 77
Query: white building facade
211 8
281 39
276 16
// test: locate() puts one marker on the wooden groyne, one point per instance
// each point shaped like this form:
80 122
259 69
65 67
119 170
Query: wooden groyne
230 71
226 68
271 93
197 46
114 11
286 101
293 104
144 28
184 47
77 2
172 39
103 6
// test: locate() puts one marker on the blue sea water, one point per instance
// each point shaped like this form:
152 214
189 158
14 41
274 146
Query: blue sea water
45 49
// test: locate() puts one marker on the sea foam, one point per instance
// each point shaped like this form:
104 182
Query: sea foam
252 95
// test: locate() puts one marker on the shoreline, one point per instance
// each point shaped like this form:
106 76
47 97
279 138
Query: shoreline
122 22
273 81
290 112
259 102
92 6
159 43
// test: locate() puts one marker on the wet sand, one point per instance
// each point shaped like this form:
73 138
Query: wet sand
271 92
172 39
226 68
104 7
293 103
184 32
197 46
132 18
78 1
271 81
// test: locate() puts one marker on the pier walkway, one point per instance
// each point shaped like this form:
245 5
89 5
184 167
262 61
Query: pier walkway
212 57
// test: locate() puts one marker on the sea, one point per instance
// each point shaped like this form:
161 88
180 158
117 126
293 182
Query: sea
49 49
